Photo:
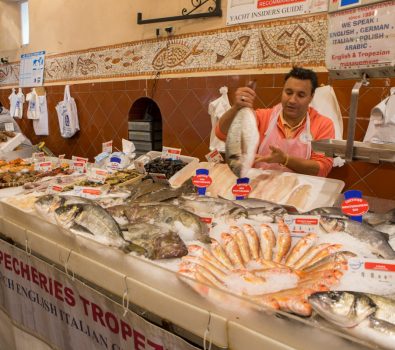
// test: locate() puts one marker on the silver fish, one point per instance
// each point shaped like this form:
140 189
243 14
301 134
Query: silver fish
389 229
377 241
205 206
48 203
186 224
242 142
90 218
367 316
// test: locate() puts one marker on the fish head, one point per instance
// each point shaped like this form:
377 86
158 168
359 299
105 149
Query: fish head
345 309
48 203
332 223
66 214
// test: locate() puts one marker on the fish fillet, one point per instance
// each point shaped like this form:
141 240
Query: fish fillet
299 196
280 188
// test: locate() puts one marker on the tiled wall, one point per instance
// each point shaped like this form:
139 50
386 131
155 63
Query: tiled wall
104 109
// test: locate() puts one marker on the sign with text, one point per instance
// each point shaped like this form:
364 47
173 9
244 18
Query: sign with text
68 314
31 71
361 37
244 11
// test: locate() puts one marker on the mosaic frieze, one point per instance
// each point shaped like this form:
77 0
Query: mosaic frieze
265 45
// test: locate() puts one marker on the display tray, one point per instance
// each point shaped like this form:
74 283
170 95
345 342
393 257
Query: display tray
11 143
160 291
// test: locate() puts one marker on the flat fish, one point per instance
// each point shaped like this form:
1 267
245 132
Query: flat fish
242 142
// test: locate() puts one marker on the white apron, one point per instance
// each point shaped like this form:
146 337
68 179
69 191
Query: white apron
299 146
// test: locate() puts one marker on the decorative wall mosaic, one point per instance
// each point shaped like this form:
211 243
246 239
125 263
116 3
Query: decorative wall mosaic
266 45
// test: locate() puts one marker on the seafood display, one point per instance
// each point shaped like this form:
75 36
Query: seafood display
262 264
164 166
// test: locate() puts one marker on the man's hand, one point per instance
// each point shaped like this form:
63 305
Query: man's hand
244 97
276 156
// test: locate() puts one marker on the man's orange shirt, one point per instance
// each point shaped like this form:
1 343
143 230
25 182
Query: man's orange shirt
320 127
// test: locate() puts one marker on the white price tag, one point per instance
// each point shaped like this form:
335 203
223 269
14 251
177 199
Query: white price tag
214 157
159 178
171 153
80 159
107 147
97 175
38 155
43 166
367 275
88 192
301 225
79 167
9 127
54 189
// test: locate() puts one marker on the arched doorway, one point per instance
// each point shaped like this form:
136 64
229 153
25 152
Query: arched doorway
145 126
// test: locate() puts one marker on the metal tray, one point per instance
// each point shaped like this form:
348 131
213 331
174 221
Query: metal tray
371 152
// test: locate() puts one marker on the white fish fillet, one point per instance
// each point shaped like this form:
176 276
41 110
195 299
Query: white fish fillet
299 196
242 142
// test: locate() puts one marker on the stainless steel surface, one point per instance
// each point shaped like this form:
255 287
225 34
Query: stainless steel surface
369 152
380 72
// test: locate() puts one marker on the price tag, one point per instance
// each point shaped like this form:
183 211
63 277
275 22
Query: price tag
367 275
301 225
43 166
171 153
97 175
54 189
79 167
214 157
80 159
88 192
38 155
107 147
202 181
355 206
159 178
114 164
9 127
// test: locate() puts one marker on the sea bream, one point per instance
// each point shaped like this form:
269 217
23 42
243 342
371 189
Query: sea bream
242 142
366 316
90 219
186 224
376 241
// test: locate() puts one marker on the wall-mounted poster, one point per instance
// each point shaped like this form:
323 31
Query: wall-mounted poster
362 37
31 71
244 11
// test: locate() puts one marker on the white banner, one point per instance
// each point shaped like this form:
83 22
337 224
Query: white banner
243 11
69 314
362 37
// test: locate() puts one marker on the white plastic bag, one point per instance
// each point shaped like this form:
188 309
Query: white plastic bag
67 115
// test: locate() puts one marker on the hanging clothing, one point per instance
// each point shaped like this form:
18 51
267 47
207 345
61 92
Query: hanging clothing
16 103
216 109
299 146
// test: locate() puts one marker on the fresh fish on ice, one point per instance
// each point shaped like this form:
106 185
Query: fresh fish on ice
242 142
367 316
376 240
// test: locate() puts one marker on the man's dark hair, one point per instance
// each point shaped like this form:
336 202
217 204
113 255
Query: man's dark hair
303 74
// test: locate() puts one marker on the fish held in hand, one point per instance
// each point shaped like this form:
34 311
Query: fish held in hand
242 142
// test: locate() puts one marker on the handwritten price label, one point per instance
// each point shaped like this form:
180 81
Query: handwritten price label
171 153
97 175
214 157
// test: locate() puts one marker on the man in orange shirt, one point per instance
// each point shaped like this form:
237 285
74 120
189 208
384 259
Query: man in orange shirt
287 129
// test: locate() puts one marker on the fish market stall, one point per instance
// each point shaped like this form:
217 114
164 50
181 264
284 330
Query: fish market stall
170 275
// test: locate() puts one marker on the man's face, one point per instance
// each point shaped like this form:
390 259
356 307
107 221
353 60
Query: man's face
296 98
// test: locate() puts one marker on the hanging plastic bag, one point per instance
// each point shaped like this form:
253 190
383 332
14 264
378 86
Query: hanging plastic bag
16 103
67 115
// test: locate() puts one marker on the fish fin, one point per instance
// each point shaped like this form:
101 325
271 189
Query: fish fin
80 228
129 247
219 58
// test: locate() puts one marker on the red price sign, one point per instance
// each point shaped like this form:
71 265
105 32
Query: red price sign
202 180
241 190
379 266
355 206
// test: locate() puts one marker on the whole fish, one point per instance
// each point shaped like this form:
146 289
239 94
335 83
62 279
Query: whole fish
205 206
187 225
389 229
242 142
154 241
48 203
91 219
377 241
367 316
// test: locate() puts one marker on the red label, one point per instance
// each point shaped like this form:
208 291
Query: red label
206 220
306 221
91 191
57 188
355 206
202 180
379 266
241 190
270 3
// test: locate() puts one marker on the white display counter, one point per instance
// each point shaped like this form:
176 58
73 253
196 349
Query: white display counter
229 321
